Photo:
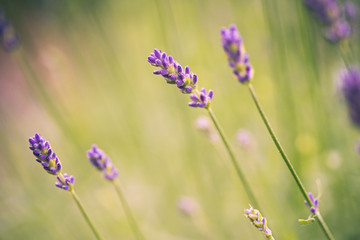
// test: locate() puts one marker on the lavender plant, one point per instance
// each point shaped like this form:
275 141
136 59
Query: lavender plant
236 54
103 163
51 164
350 87
259 221
186 81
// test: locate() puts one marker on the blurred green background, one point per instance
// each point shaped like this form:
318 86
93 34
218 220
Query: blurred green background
81 77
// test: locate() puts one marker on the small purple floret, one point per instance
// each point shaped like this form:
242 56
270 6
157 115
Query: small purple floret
238 59
102 162
44 154
202 99
314 201
65 182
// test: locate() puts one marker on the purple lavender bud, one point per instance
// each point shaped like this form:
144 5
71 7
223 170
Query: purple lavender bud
180 69
350 87
102 162
157 72
338 31
192 104
195 79
157 53
313 210
187 70
44 154
237 57
65 182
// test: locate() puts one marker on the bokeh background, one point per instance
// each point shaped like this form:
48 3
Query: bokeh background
81 77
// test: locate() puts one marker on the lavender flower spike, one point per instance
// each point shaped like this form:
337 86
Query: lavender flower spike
258 221
201 99
350 87
44 154
237 57
172 71
65 182
8 37
102 162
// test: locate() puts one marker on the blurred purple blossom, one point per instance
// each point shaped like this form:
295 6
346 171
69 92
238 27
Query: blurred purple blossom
245 139
338 31
335 17
350 10
8 37
350 87
102 162
187 206
238 58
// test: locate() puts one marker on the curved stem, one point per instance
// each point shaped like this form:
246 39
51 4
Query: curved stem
234 161
77 200
126 207
287 161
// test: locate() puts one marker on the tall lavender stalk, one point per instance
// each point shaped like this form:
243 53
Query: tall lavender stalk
103 163
239 60
186 81
52 165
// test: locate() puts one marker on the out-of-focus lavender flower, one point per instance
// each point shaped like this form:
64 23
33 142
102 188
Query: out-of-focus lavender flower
102 162
65 182
187 206
314 201
350 10
44 154
201 99
350 86
245 139
237 56
258 221
173 72
338 31
327 11
8 37
204 126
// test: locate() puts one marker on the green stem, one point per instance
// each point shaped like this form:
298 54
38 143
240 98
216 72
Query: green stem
234 161
287 162
77 200
126 207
